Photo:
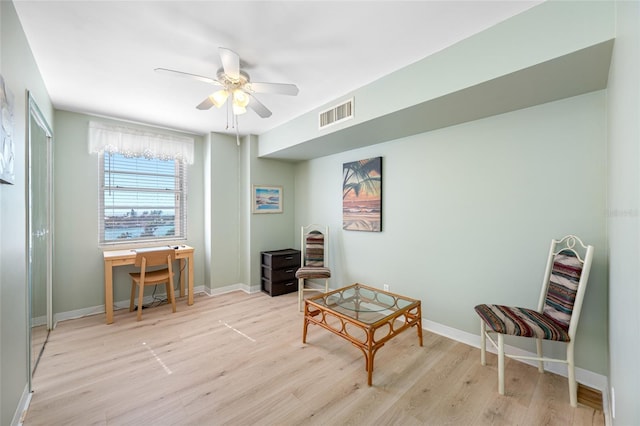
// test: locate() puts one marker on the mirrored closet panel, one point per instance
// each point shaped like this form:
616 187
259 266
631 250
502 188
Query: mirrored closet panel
40 220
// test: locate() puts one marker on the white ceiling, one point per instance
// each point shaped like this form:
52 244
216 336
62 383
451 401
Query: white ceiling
98 57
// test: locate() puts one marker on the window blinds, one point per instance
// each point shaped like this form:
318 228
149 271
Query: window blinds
143 183
141 199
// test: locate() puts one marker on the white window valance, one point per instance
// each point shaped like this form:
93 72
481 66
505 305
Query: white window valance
132 142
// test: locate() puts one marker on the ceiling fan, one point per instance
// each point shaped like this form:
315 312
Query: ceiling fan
235 85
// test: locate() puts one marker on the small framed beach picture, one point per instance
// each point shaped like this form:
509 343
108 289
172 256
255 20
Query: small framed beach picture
267 199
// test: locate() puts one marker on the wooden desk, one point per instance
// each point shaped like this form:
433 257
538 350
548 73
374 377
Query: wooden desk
127 257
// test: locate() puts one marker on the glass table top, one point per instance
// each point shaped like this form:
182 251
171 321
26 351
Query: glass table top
367 304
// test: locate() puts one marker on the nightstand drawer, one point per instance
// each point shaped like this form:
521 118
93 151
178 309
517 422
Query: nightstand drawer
278 288
281 258
286 274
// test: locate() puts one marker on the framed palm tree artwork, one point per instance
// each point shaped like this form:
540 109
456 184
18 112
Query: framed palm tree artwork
362 195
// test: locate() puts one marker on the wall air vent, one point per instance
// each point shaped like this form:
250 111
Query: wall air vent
336 114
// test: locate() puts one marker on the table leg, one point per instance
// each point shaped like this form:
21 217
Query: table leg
190 261
182 264
419 324
369 356
108 290
305 325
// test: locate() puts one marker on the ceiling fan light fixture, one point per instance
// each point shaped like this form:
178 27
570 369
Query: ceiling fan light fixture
219 98
238 110
240 98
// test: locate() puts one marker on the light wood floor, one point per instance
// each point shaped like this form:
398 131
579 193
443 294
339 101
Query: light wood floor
238 359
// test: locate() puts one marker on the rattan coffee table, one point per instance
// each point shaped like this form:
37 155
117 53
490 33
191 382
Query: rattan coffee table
365 316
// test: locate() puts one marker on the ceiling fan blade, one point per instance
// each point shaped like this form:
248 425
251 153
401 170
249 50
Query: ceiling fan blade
257 106
206 104
187 75
230 62
278 88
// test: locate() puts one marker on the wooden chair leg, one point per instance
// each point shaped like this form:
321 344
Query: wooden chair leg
573 385
326 285
501 364
140 301
167 291
133 295
539 352
172 296
483 343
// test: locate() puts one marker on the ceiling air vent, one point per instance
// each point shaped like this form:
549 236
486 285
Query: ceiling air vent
336 114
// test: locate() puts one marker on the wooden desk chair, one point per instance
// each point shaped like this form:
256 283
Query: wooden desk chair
151 258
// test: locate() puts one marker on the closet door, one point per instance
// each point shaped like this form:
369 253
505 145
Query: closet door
40 233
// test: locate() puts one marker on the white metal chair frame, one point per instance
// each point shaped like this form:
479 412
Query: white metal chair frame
567 242
304 231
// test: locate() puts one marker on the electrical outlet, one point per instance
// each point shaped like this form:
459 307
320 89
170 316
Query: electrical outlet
386 287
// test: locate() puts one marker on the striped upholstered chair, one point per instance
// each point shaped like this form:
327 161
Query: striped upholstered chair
563 287
315 259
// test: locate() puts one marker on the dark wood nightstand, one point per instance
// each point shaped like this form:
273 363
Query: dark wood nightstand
279 271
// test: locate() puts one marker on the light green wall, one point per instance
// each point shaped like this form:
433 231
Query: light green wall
20 73
237 236
469 212
269 231
624 214
78 280
224 234
507 47
530 42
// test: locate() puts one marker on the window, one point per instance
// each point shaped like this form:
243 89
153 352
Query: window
143 182
141 199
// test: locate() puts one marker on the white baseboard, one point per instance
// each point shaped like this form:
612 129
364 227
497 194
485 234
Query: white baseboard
233 287
585 377
124 304
23 406
38 321
99 309
316 284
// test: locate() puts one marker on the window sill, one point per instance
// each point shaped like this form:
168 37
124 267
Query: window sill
142 244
